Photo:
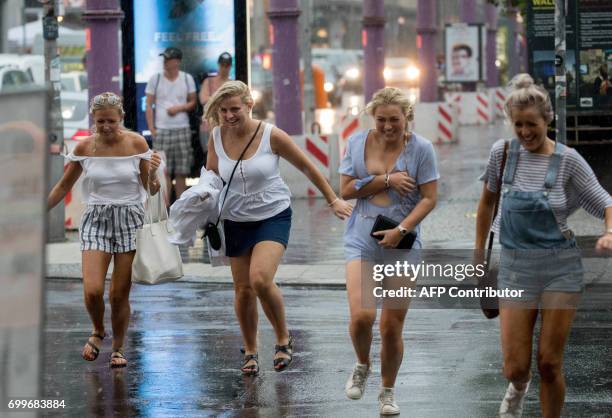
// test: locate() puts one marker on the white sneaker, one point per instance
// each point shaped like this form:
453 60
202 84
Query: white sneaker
355 385
386 402
512 404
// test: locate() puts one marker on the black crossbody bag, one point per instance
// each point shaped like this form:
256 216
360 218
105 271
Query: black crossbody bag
211 231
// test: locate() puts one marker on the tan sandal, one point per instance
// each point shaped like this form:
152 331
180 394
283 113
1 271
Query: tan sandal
118 353
94 348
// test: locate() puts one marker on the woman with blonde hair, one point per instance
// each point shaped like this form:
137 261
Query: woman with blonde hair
116 164
391 172
543 183
256 208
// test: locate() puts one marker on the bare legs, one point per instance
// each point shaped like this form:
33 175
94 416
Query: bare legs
362 321
517 326
253 275
95 267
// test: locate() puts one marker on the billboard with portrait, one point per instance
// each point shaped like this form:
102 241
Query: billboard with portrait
463 47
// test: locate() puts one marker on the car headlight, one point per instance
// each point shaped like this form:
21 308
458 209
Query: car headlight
413 72
352 73
387 73
68 112
328 87
256 94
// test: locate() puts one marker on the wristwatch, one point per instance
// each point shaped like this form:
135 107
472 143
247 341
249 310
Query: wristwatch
403 231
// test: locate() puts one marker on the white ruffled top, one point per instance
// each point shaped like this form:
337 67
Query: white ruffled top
257 191
112 180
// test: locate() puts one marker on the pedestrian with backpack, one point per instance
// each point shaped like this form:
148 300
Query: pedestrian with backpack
171 95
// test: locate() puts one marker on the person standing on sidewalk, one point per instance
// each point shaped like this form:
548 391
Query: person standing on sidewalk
256 209
173 93
208 87
543 183
116 163
391 172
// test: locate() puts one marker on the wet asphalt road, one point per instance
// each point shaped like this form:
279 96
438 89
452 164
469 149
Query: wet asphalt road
183 348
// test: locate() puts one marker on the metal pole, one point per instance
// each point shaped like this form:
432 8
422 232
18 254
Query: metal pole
427 34
491 55
560 77
55 121
309 95
373 40
284 16
103 59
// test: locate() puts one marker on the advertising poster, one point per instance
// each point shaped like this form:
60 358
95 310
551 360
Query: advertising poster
595 46
202 30
463 53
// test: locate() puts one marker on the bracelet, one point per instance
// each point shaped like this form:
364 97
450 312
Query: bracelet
333 201
386 180
608 231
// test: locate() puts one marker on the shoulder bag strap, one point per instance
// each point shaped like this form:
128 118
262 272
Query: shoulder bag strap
497 198
234 170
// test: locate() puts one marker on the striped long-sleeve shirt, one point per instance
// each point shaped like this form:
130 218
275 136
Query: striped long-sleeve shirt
576 185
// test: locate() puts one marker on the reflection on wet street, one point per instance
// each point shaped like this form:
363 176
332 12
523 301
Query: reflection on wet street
184 355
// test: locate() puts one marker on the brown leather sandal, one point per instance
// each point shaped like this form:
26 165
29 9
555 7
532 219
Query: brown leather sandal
282 363
94 348
253 369
118 353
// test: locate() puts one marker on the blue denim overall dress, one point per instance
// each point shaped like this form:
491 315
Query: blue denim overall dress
536 256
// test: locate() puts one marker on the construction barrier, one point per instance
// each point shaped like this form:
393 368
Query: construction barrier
498 95
324 151
74 206
437 121
474 108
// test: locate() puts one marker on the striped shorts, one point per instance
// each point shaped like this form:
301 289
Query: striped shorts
110 228
176 144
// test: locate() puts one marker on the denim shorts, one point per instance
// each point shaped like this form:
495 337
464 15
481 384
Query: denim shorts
541 270
242 236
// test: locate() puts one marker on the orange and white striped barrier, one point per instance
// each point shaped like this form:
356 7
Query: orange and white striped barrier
499 95
349 125
73 206
437 122
483 109
317 149
323 151
447 124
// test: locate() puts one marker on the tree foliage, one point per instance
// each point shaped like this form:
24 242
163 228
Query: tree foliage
521 5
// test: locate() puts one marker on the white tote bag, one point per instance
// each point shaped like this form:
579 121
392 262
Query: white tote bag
157 260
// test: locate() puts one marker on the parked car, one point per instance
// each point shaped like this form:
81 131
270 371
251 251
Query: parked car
32 64
75 114
14 78
74 81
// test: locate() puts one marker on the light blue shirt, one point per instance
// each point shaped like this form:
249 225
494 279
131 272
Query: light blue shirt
418 158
